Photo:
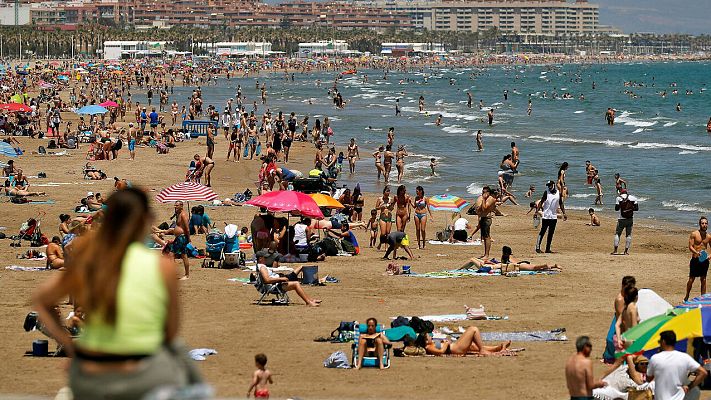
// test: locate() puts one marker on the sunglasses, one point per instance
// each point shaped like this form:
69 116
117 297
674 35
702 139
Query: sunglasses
643 364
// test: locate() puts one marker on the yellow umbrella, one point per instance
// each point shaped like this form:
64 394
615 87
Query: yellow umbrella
326 201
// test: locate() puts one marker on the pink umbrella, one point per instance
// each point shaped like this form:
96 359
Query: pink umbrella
288 201
186 191
109 103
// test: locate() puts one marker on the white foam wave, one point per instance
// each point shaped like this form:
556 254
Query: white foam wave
626 119
683 146
611 143
582 195
579 112
474 188
668 124
454 129
685 152
638 130
681 206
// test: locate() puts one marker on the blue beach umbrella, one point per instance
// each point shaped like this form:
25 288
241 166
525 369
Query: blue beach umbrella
92 110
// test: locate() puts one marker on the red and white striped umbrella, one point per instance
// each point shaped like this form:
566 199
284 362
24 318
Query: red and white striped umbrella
186 191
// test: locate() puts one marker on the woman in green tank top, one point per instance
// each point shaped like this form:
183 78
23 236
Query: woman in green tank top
128 295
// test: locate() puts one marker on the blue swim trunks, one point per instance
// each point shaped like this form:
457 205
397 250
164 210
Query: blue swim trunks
132 145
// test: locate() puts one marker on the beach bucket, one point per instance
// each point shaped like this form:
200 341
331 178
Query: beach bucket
406 269
309 274
40 348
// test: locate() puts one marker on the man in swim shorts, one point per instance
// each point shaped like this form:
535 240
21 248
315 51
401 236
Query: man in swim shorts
699 265
485 205
626 204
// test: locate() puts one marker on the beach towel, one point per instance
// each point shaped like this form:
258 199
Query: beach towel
39 202
243 280
397 334
466 273
460 317
473 243
201 354
23 268
556 335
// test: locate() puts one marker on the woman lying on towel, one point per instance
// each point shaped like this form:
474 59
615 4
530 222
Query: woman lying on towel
509 264
469 343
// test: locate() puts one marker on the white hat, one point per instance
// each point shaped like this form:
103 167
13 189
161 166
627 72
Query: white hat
89 194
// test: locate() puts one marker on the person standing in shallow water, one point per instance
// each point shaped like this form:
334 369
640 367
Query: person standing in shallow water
479 141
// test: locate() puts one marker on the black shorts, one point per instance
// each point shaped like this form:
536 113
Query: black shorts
460 235
698 269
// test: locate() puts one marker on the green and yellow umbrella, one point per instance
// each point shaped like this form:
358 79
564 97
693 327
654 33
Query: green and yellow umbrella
687 324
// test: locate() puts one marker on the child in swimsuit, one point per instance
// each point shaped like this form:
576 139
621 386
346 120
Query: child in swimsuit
372 225
261 378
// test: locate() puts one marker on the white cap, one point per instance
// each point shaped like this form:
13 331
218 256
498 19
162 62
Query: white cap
89 194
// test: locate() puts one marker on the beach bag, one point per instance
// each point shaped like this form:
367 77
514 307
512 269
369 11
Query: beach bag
19 200
329 246
627 208
52 144
42 150
421 326
400 321
337 360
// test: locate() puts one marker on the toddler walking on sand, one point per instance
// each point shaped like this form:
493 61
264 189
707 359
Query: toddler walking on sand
261 378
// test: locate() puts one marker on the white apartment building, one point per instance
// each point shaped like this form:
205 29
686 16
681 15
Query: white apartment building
540 17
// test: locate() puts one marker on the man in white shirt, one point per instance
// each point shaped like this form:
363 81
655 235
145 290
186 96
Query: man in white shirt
670 370
550 202
626 204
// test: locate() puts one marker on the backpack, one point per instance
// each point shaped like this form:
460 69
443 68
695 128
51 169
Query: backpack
627 208
42 150
52 144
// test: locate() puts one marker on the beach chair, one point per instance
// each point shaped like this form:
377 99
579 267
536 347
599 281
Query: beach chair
370 359
280 296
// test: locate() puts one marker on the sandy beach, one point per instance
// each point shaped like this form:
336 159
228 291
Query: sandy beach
219 314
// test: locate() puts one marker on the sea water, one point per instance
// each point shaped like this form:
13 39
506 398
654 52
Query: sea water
661 153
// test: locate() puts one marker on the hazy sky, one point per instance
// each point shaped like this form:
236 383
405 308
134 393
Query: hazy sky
658 16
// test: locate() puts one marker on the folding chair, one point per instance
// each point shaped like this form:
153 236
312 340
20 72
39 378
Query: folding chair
370 358
266 289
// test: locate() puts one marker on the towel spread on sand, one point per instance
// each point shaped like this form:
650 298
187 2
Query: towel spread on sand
473 243
23 268
201 354
556 335
465 273
243 280
459 317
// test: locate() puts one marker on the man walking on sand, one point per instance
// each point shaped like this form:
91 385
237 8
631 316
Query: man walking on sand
699 265
550 202
485 205
626 204
579 372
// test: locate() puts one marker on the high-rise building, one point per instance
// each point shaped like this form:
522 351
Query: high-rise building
540 17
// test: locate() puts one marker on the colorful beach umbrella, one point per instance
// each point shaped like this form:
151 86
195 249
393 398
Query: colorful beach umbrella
288 201
326 201
447 202
15 107
92 110
109 103
186 191
687 324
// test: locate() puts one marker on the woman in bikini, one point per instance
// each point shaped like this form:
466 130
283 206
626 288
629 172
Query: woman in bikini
404 205
205 168
469 342
510 264
400 162
422 208
561 181
385 205
388 162
358 204
378 165
235 145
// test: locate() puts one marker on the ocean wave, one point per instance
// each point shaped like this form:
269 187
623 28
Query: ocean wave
626 119
685 152
582 195
638 130
454 129
474 188
683 146
668 124
611 143
681 206
579 112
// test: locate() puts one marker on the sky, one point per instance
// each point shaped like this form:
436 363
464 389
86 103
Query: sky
657 16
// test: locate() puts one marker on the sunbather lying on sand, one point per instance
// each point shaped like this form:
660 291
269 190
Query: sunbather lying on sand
509 263
469 343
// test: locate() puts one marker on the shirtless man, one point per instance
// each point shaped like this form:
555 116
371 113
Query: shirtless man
590 171
699 265
55 254
514 153
353 155
485 205
579 372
